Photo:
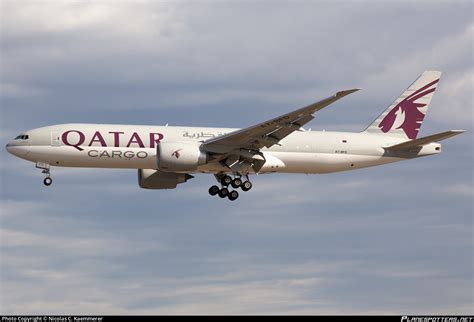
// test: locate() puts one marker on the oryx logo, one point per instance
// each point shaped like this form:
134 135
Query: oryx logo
176 154
406 115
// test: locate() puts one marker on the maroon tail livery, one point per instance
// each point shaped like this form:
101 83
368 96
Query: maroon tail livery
405 116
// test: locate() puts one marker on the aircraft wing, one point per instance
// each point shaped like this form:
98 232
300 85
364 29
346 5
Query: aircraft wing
270 132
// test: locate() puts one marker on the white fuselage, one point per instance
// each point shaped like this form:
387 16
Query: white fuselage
135 146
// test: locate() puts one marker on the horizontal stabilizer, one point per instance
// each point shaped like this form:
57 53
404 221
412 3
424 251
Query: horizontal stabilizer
424 140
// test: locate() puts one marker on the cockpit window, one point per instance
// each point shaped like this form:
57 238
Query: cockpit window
22 137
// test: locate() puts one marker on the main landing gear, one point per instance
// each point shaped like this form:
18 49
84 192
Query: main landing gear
45 167
226 181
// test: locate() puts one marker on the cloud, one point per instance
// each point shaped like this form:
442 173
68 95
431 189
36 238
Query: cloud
460 189
455 101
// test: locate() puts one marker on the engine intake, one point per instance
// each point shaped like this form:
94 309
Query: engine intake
179 156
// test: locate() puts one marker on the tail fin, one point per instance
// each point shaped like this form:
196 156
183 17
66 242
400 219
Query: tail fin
403 117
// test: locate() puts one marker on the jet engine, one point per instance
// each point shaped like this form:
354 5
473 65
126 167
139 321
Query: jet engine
156 179
179 156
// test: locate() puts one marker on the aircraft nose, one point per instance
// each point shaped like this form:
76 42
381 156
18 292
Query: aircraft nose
17 150
8 147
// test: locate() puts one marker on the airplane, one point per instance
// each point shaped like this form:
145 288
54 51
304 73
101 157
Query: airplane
166 156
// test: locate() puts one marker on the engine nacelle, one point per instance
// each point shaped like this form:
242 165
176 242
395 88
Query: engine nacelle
179 156
156 179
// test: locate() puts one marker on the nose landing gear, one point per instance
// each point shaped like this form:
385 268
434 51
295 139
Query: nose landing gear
45 167
225 181
47 181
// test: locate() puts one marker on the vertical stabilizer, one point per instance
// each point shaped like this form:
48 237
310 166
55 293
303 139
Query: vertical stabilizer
403 117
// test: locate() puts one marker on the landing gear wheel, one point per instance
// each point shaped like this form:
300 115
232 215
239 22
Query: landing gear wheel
236 183
233 195
214 190
47 181
223 192
226 180
246 186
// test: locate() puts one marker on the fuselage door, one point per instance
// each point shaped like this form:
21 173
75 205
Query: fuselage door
55 139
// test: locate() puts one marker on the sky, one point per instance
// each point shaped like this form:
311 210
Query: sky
395 239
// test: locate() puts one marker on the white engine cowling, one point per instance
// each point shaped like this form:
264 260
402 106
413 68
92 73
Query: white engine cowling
179 156
156 179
